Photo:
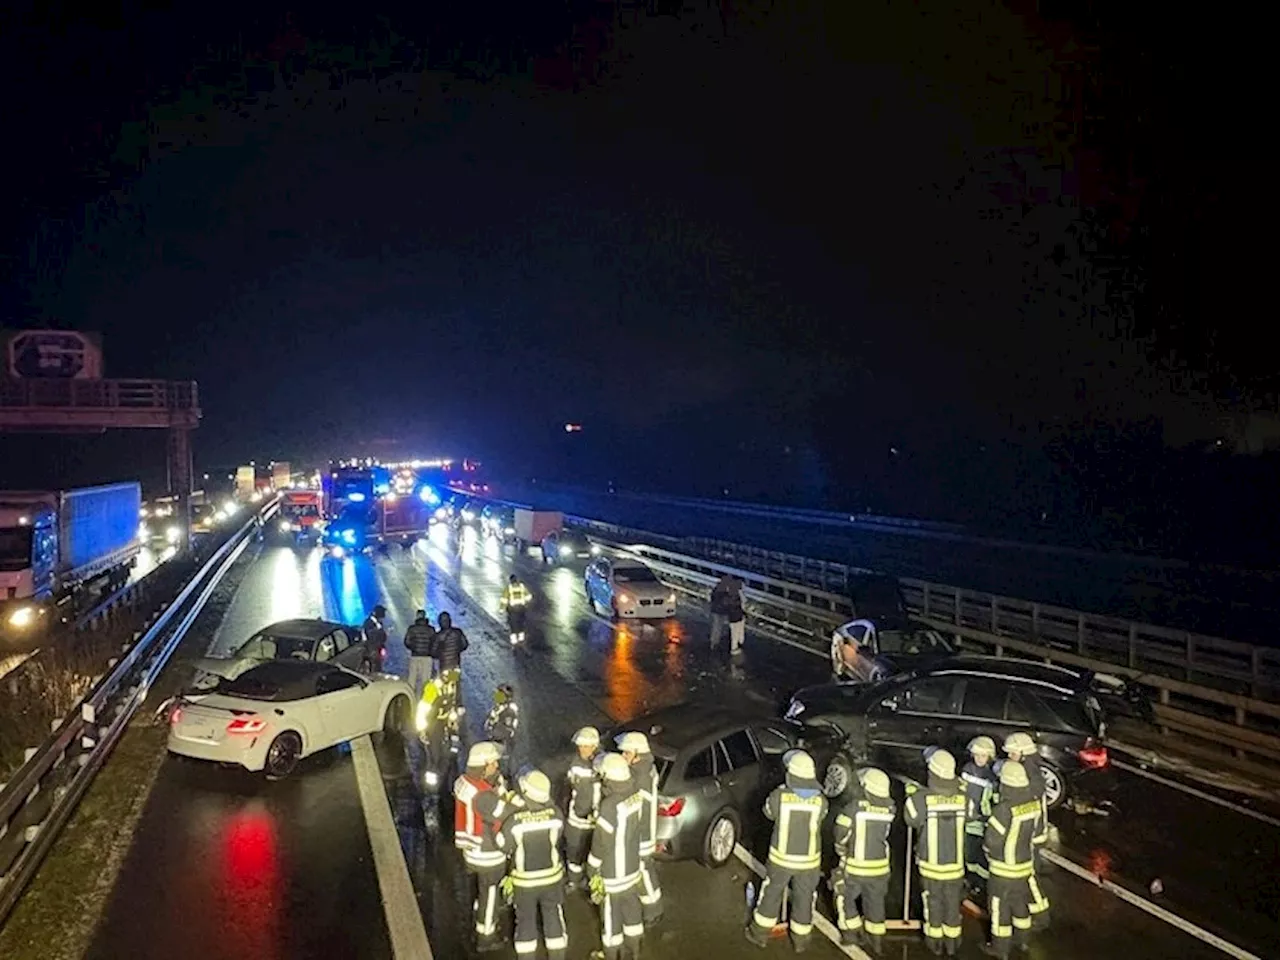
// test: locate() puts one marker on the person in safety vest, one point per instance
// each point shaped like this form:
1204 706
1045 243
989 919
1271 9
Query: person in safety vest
530 837
478 810
614 861
419 640
437 722
980 783
515 600
1010 844
503 721
634 748
936 813
797 809
862 844
1022 748
584 800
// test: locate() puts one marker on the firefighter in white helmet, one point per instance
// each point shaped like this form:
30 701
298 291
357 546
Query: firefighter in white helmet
530 837
634 748
614 862
583 801
936 813
478 811
862 843
1010 847
980 783
1021 748
797 809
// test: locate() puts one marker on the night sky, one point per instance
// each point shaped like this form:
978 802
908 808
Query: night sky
801 241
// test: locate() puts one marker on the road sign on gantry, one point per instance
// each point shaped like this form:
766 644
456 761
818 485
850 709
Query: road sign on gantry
53 355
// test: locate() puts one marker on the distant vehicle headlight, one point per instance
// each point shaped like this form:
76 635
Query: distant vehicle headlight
172 535
441 513
795 709
623 598
337 553
566 550
671 598
508 530
22 617
285 526
595 549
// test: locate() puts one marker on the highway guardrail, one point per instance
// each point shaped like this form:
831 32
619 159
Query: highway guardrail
40 798
1156 658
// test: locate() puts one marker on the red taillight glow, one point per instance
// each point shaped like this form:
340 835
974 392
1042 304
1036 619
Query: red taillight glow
1093 756
175 716
247 725
671 808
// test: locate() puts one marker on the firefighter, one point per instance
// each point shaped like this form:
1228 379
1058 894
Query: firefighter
936 813
503 721
478 810
634 748
862 844
1020 747
375 635
979 790
515 600
419 640
530 836
614 862
437 723
797 809
1009 844
584 799
450 644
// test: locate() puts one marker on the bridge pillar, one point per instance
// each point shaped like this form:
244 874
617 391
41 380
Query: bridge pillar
180 471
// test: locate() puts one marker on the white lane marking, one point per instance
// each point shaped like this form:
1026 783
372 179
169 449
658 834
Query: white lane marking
399 902
1196 792
1146 906
825 926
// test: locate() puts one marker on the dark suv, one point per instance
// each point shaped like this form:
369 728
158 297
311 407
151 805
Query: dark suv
950 702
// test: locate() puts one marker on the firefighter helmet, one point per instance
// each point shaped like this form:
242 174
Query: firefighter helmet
875 782
1013 774
483 753
632 742
587 737
615 768
536 786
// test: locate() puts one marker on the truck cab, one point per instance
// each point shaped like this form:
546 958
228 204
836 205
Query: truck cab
28 562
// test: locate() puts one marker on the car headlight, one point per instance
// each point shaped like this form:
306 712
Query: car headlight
508 530
566 551
795 709
22 617
624 598
671 598
349 536
285 526
595 549
337 553
173 535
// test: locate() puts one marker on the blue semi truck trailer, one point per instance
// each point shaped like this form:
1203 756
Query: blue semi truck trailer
56 547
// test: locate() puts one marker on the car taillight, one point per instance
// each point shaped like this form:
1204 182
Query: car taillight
247 725
175 715
1093 756
671 808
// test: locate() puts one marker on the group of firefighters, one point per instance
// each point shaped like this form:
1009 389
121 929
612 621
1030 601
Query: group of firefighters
521 848
978 831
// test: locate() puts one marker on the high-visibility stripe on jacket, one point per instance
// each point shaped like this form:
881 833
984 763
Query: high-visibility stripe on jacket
797 813
1010 838
980 786
477 810
530 837
645 777
937 816
615 844
862 837
516 595
584 794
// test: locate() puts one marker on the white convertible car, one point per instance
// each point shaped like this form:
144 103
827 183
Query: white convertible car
271 716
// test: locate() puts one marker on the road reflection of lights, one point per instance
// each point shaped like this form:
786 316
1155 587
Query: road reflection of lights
565 590
286 587
1100 863
625 685
350 605
250 884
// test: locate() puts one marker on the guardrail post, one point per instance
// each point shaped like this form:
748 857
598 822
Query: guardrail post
1080 628
995 616
1035 621
1191 652
1133 645
1240 722
925 598
1255 673
956 613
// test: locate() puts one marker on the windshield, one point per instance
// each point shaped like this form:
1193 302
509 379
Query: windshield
251 687
301 510
265 646
15 547
912 642
633 575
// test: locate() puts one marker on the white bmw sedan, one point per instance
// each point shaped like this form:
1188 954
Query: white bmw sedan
271 716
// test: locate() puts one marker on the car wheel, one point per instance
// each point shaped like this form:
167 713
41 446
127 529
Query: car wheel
395 722
838 778
720 839
283 755
1055 786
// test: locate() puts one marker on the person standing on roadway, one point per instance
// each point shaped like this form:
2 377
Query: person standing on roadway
1010 847
979 791
375 635
419 640
479 808
614 862
1021 748
937 815
450 644
727 607
634 748
584 800
515 600
503 721
862 844
797 809
530 836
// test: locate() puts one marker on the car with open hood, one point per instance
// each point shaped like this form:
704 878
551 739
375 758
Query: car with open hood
318 641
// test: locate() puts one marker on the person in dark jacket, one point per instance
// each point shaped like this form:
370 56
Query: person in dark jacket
936 813
726 607
375 635
450 644
419 640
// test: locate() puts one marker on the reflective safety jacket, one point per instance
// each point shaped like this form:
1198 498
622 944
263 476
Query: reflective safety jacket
936 813
515 596
615 844
502 722
980 785
584 793
478 810
797 809
375 632
530 837
1035 773
644 776
862 836
1011 831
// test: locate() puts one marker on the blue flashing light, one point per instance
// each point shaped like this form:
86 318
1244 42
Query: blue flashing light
349 536
429 496
356 497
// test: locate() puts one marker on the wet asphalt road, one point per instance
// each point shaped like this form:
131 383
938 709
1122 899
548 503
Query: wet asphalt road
228 866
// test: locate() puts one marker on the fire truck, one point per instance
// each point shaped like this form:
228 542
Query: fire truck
301 516
368 508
